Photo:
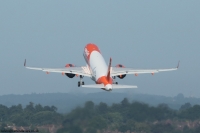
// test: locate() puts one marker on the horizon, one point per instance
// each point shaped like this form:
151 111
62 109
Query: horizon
85 93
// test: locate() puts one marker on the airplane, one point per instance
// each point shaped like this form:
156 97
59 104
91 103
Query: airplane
96 68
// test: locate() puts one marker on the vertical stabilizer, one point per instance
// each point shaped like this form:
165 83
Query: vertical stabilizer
108 74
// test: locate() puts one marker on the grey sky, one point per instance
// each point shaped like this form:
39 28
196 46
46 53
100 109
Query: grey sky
140 34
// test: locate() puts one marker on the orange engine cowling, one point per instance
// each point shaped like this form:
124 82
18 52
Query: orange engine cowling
70 75
121 76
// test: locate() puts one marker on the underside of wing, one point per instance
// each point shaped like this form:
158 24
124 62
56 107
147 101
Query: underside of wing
84 70
72 70
115 71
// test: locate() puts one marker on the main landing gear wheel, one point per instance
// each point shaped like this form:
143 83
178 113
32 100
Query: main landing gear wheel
80 82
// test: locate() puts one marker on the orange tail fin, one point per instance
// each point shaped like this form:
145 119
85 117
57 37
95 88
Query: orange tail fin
108 75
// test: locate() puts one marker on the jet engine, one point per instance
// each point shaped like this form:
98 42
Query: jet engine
121 76
70 75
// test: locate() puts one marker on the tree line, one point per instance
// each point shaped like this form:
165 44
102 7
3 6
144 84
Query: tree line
30 115
134 117
124 116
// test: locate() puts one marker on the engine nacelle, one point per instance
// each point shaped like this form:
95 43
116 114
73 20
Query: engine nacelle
70 75
121 76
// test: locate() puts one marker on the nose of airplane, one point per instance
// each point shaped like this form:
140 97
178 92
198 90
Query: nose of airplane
108 87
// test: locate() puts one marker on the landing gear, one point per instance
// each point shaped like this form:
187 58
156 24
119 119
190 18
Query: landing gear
114 80
115 83
80 82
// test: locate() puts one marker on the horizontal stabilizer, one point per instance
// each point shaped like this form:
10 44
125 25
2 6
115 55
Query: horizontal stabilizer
94 86
123 86
114 86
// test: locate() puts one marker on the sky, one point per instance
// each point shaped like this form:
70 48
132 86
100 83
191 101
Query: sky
138 34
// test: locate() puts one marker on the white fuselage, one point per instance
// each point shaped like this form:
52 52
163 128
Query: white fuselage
97 66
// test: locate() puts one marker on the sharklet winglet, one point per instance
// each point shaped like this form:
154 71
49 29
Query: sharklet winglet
25 62
178 64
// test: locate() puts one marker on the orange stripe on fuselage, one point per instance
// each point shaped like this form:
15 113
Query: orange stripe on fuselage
104 80
89 48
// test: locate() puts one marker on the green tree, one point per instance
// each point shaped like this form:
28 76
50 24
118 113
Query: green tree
191 113
89 105
46 117
53 108
123 128
141 127
30 107
16 109
197 130
125 102
185 106
162 128
98 122
71 129
102 107
88 110
4 112
3 126
38 108
137 111
47 108
91 130
19 120
115 119
186 129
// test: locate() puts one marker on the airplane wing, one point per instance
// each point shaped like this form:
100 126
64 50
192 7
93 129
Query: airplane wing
114 86
115 71
73 70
